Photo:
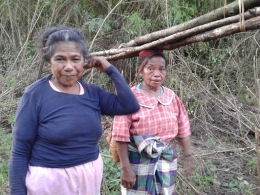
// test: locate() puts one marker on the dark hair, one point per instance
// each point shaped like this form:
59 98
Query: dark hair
52 36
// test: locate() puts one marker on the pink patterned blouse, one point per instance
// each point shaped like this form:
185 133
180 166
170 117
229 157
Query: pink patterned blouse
164 116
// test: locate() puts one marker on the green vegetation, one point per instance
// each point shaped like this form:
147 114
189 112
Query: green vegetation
5 150
218 81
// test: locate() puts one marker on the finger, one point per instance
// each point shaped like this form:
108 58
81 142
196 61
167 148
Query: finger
128 185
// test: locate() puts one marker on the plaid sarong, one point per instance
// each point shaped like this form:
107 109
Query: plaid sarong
155 165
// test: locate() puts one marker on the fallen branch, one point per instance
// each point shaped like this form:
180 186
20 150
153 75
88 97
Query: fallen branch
189 184
224 151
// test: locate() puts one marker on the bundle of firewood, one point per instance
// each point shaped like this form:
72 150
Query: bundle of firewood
236 17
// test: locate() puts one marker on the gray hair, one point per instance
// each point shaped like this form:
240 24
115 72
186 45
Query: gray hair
54 35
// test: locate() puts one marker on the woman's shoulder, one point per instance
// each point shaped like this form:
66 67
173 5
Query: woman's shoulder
167 91
170 93
86 86
38 85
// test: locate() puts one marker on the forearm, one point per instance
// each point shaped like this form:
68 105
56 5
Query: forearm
17 173
186 146
122 149
125 97
128 177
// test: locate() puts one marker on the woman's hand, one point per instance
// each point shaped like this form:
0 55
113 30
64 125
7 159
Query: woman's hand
189 165
128 177
98 62
189 161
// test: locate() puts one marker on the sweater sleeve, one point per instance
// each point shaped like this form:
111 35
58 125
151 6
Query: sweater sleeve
24 134
121 104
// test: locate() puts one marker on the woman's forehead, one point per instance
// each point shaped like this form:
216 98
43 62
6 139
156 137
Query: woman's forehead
68 46
156 61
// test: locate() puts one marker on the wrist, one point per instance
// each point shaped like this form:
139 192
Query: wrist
188 155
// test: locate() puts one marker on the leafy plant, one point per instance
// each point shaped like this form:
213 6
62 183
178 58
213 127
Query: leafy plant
252 165
206 181
209 142
135 25
111 177
239 185
5 150
11 120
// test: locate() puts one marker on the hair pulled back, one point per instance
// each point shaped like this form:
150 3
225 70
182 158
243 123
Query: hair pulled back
143 58
146 55
54 35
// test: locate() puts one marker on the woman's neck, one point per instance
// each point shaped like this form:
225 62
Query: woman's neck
74 89
151 92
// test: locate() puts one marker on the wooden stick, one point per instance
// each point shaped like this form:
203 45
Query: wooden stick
228 10
257 153
250 24
189 184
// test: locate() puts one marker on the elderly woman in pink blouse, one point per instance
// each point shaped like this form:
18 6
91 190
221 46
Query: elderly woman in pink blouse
146 140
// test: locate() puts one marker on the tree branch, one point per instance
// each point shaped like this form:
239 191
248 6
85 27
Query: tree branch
229 10
187 37
178 36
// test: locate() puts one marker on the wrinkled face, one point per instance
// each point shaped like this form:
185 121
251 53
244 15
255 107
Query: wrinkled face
67 63
154 72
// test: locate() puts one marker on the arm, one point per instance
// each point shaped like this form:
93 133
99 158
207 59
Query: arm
128 177
184 138
122 103
185 144
189 161
24 134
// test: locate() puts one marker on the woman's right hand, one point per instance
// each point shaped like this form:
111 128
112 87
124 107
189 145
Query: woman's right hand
128 178
98 62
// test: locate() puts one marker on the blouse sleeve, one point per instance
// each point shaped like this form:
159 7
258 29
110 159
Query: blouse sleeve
121 128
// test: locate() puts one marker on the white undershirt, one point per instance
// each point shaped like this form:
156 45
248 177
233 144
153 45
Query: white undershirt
81 89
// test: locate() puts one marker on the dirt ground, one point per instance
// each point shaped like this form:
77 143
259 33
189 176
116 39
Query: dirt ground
225 154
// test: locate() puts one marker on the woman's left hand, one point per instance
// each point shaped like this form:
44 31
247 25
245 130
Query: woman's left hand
189 165
98 62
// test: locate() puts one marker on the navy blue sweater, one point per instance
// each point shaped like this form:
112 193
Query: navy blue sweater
60 130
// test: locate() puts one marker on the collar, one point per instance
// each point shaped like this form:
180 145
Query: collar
150 102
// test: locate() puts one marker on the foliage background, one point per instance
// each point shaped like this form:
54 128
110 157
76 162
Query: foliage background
217 81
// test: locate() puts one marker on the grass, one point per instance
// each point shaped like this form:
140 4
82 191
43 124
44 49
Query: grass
5 149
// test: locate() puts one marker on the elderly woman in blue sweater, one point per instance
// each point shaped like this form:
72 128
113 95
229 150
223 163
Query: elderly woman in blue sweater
58 121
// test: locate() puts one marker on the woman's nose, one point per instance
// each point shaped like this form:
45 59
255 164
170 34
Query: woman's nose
68 66
157 73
